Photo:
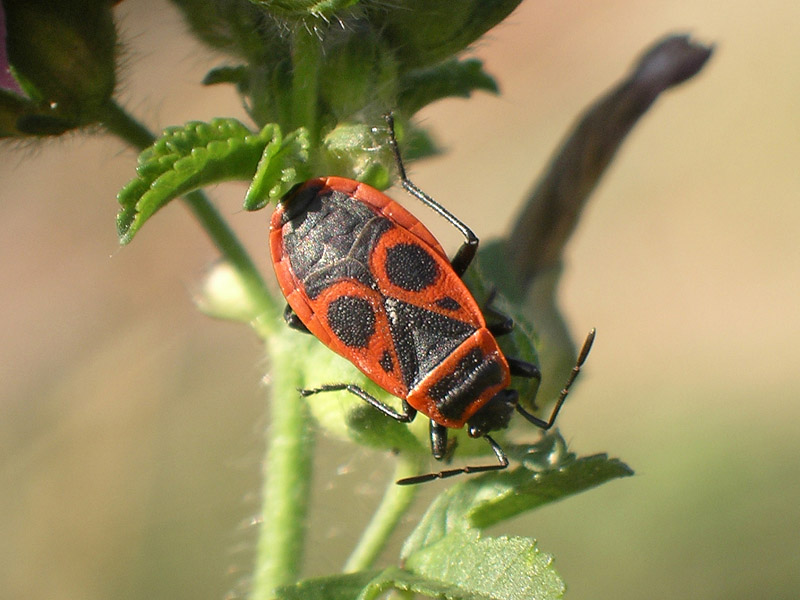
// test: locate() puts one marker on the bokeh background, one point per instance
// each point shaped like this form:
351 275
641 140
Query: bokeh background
131 426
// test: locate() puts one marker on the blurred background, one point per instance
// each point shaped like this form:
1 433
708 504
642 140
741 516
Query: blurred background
131 426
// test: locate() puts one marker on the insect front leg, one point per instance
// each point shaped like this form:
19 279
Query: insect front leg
503 324
466 252
293 321
438 440
406 416
502 463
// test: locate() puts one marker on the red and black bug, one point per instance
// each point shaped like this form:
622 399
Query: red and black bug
370 281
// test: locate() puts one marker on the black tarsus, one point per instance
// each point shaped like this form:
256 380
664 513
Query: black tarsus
293 321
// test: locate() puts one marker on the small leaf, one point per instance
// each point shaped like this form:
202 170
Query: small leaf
236 75
493 497
283 163
196 155
516 492
451 78
502 568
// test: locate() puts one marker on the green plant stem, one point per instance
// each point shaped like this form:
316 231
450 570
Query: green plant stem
393 506
287 475
124 126
305 81
233 252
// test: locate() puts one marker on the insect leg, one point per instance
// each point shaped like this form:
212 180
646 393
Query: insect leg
587 345
520 368
466 252
502 463
293 321
405 417
504 325
438 440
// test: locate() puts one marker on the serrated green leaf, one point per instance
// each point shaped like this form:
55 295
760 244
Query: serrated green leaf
196 155
493 497
283 163
452 78
503 568
516 492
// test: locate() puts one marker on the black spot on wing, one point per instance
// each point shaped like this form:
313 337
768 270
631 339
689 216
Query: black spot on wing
411 267
448 303
386 362
352 320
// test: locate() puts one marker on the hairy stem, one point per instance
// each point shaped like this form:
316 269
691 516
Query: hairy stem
305 81
393 506
287 475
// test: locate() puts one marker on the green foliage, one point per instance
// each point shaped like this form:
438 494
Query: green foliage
448 555
452 78
487 500
200 154
425 32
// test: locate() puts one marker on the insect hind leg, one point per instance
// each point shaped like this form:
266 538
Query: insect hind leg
466 252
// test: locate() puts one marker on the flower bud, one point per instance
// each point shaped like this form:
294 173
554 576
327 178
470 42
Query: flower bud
62 56
424 32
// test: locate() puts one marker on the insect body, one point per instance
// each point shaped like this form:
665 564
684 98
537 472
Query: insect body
370 281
